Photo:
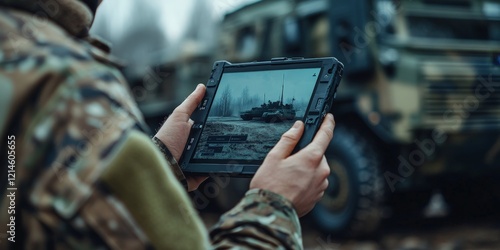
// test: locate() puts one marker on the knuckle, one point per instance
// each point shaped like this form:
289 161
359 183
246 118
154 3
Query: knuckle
179 111
311 162
325 172
328 132
320 196
315 155
290 136
273 154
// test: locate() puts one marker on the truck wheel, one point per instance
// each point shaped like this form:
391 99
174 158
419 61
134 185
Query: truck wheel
352 204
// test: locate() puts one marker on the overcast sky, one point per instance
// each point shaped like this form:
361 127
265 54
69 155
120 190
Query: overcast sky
140 30
174 14
299 84
177 12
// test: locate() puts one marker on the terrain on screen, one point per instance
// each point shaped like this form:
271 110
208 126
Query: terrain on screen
251 110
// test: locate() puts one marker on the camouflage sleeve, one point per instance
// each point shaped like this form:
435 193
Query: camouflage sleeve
90 177
174 165
76 123
140 177
262 220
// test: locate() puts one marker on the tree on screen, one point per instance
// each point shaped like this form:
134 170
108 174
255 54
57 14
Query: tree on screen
223 106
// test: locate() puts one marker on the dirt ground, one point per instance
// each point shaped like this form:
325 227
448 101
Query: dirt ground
436 234
262 137
478 233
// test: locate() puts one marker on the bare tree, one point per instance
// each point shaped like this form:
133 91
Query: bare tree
223 107
245 101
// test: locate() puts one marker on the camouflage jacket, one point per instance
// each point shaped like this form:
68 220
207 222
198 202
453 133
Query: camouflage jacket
70 115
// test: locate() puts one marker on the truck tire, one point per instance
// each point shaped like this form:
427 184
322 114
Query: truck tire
352 204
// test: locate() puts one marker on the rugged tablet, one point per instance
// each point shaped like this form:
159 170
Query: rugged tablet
248 106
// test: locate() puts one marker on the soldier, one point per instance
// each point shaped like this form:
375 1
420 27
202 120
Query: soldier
87 175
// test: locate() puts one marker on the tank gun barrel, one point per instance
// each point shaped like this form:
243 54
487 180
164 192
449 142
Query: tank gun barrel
282 89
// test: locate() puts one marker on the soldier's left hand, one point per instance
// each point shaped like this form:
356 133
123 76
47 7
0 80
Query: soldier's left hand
175 131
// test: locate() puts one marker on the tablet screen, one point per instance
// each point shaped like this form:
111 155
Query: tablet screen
250 112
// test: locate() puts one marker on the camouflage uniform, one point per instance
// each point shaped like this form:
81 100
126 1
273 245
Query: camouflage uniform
74 119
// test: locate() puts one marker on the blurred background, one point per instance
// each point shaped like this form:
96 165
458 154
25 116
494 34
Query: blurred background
416 155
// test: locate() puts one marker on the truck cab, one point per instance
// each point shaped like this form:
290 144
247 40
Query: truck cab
418 109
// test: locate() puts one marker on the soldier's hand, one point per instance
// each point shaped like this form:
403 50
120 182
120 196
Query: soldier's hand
302 177
175 131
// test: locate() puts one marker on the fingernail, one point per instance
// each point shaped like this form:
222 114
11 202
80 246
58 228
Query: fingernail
296 124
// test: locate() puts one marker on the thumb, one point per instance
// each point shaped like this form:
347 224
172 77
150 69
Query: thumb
187 107
288 141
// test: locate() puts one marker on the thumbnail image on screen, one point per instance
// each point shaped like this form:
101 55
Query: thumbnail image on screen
251 110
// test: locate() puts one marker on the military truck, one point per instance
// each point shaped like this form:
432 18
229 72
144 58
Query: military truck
418 111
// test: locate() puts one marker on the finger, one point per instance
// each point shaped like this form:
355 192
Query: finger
200 179
324 168
195 181
323 136
288 141
324 185
192 101
320 195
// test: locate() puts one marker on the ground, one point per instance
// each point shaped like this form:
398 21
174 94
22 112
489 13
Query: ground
262 137
429 234
476 231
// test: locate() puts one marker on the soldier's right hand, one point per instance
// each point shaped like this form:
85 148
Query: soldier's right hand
302 177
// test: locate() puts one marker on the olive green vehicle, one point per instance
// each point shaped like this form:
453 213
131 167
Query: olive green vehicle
418 110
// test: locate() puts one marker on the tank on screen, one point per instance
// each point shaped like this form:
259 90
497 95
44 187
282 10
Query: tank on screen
271 111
